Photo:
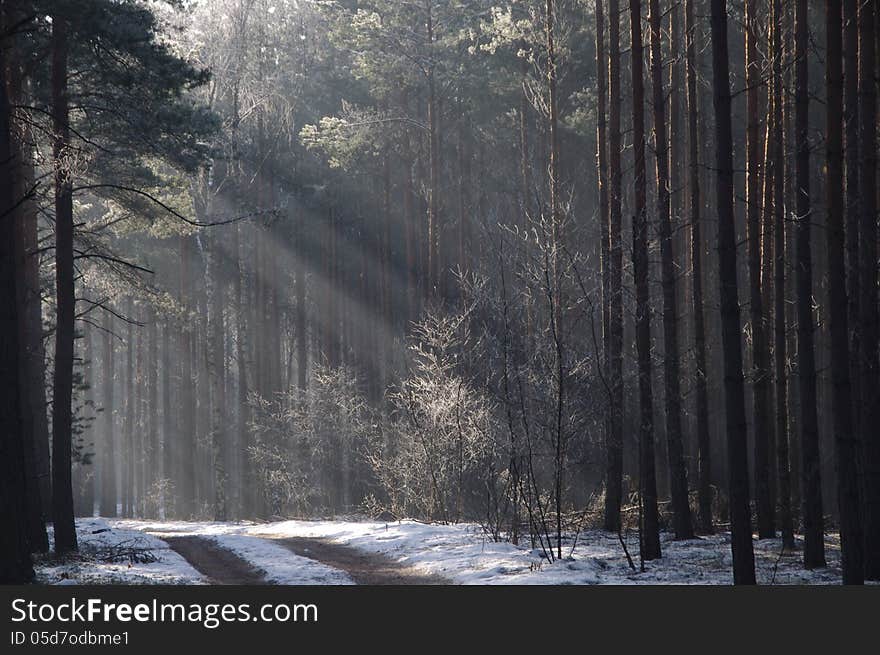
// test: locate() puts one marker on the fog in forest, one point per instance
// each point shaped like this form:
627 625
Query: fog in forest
539 266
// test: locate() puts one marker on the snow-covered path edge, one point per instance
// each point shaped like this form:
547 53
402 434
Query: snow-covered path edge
278 564
464 555
97 538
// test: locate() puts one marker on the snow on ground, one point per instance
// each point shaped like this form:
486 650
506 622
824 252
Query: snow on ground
465 555
280 565
277 563
110 554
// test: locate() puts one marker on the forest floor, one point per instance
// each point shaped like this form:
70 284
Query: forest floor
340 552
218 565
365 568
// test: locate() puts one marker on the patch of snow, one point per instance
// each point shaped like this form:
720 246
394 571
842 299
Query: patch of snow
279 565
464 554
98 539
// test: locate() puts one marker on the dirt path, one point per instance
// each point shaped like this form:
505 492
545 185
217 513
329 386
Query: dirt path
219 565
364 568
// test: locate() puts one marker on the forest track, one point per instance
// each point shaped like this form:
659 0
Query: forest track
364 568
220 566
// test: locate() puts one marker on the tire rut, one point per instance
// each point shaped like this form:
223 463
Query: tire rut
219 565
364 568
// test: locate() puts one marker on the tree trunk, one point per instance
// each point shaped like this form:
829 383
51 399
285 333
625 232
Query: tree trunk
108 454
760 351
245 479
152 415
216 372
84 502
32 387
868 354
814 546
851 154
789 142
434 268
614 455
62 396
186 442
779 287
15 547
556 246
128 448
604 227
695 200
302 344
734 393
168 412
650 528
672 381
845 439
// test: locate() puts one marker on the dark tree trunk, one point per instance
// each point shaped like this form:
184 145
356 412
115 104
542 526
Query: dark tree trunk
32 393
186 442
868 355
302 343
556 219
760 351
84 502
851 154
814 546
168 411
671 376
244 483
128 449
789 141
62 396
734 393
108 449
151 472
779 287
216 372
650 528
704 489
604 227
845 439
434 267
614 455
15 547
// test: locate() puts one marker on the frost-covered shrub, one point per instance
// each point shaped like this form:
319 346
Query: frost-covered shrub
306 446
437 455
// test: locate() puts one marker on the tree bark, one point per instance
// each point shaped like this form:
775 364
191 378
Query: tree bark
671 377
434 268
15 547
62 396
614 455
186 442
650 528
779 286
760 349
216 372
870 349
168 412
32 387
814 546
108 450
604 228
704 488
851 154
734 393
128 449
845 439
